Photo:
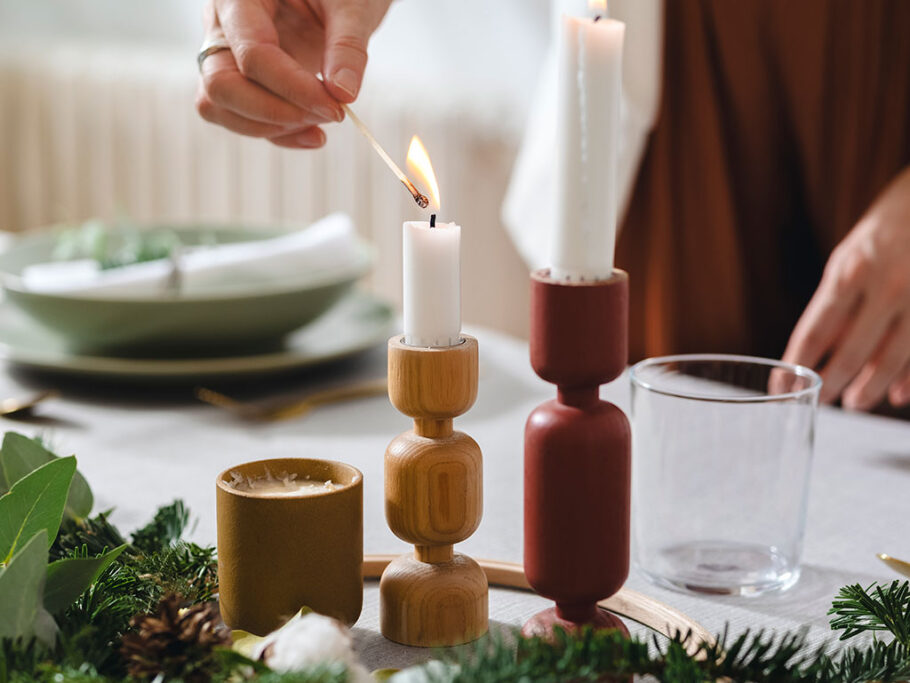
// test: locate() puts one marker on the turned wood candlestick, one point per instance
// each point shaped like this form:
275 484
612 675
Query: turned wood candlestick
434 499
577 453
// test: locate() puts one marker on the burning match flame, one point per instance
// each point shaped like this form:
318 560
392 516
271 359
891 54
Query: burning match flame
419 164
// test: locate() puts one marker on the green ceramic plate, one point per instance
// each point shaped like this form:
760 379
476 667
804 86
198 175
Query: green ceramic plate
355 324
238 318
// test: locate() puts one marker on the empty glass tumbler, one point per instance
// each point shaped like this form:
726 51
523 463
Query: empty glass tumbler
722 450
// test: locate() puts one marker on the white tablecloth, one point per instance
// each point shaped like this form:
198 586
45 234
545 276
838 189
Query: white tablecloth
143 448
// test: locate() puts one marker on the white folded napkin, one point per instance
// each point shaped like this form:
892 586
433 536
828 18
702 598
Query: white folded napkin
324 248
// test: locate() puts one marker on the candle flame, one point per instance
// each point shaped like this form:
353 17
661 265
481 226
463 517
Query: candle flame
419 164
597 7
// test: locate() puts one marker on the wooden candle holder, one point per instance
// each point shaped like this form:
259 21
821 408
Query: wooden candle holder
577 453
434 499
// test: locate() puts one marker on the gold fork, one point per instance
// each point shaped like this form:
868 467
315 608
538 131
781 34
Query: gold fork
22 404
900 566
270 412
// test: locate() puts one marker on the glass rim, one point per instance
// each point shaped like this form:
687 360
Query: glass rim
798 370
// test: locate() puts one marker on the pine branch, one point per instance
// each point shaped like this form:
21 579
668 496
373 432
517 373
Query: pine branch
885 662
876 608
92 536
157 563
20 655
753 657
164 530
91 628
186 569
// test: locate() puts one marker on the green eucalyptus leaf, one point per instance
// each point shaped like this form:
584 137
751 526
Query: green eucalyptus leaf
35 502
21 588
20 455
68 578
45 627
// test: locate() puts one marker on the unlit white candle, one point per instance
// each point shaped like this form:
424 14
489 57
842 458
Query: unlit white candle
432 284
590 86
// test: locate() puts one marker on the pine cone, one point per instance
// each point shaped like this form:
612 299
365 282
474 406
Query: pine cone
178 641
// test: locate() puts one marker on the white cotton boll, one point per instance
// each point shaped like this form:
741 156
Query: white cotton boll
357 673
306 642
431 672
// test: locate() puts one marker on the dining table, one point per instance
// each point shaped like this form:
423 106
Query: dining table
143 446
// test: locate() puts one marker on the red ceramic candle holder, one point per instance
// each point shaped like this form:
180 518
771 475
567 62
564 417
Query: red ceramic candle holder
577 453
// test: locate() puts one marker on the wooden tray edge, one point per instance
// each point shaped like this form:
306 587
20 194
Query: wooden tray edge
654 614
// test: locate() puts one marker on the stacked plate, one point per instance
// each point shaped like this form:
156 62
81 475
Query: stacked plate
219 300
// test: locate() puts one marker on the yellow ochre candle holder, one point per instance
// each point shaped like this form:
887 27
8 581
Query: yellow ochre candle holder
278 552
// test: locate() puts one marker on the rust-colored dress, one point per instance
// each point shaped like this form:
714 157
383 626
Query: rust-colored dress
780 122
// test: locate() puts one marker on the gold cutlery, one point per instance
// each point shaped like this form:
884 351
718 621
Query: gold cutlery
22 404
900 566
272 412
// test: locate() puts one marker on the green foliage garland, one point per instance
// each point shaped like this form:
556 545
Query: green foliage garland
71 587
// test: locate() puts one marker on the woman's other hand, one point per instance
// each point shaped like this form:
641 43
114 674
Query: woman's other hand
856 328
265 85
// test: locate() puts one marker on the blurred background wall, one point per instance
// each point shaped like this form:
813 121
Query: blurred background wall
97 119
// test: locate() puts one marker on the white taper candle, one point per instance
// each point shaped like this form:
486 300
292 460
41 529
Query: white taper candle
432 284
590 87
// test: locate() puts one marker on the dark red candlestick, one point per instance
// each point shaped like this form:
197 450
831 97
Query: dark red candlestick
577 453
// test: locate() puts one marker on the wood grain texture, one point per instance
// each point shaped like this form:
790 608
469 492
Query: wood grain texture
645 610
433 487
434 499
433 383
433 605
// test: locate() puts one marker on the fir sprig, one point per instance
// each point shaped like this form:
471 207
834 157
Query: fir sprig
186 569
20 655
165 529
155 563
876 608
92 536
94 624
751 657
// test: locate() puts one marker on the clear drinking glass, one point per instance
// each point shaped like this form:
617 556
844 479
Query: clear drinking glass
722 449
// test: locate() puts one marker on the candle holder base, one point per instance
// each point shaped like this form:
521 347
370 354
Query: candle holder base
542 624
433 604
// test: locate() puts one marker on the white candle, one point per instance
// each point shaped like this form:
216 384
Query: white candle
590 86
432 284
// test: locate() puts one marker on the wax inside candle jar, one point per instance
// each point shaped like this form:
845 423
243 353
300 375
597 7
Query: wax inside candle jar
283 484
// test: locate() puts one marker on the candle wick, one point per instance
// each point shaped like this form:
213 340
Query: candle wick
596 18
432 220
